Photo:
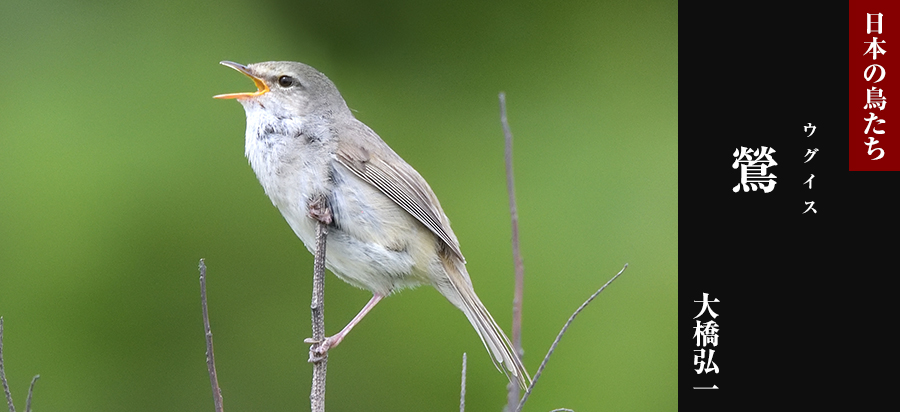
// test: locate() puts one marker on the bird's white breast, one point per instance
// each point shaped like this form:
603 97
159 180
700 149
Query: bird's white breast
369 244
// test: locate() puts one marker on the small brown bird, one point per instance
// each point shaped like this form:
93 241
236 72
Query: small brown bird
388 231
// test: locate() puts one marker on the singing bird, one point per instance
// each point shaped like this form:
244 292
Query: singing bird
387 229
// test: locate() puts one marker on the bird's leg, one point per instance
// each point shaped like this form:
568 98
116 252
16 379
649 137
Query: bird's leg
317 351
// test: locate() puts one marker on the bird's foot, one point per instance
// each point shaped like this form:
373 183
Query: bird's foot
319 348
318 209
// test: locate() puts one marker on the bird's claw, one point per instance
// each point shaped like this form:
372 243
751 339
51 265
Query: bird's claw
319 348
318 209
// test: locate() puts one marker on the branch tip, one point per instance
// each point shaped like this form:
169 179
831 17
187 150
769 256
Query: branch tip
210 355
462 390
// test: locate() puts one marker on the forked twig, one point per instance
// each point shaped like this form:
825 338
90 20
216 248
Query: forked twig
9 401
559 336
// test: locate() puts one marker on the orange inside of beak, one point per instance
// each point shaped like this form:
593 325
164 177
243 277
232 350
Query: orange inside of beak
261 87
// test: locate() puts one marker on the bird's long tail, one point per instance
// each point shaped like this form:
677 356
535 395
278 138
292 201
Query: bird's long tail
459 291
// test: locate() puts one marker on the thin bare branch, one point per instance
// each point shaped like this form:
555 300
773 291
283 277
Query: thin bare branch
30 392
9 400
512 388
560 335
462 390
210 356
317 306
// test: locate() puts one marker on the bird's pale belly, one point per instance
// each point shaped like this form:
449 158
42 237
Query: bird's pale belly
377 254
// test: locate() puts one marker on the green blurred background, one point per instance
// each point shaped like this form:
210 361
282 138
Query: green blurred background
119 172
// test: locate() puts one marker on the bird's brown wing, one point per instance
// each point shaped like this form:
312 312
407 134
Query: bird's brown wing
388 172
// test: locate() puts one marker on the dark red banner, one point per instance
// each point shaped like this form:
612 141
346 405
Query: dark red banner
874 79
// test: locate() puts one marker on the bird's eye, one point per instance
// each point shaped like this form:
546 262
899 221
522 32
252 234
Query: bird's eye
286 81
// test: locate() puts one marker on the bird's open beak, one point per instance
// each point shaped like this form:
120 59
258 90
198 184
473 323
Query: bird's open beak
261 87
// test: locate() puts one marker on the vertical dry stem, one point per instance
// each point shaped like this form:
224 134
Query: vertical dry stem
462 390
513 388
317 306
210 355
